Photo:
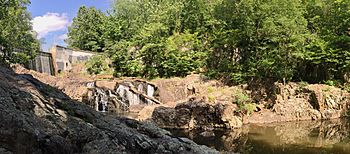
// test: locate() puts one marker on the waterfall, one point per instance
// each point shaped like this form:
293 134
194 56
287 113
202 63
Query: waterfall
126 94
101 100
140 88
150 90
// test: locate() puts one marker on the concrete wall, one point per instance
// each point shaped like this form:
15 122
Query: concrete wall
64 57
42 63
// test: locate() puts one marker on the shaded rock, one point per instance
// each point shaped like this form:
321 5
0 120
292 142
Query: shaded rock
167 117
146 112
197 114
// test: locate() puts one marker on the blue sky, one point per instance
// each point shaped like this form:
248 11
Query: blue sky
52 17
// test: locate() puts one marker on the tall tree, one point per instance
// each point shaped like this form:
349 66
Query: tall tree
266 37
328 52
87 29
17 40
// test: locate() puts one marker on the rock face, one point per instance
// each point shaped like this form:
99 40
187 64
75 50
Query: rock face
312 102
197 114
37 118
309 102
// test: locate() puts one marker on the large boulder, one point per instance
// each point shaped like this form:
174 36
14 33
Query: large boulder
197 113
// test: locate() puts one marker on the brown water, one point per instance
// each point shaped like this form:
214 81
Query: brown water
305 137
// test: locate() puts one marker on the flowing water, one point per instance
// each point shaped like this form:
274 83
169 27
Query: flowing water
305 137
124 95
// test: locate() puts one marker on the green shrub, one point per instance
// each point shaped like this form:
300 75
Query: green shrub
248 107
244 103
211 98
237 78
241 98
97 65
346 87
326 89
210 90
301 85
332 82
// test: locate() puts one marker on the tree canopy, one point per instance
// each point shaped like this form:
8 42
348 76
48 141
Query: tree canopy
17 39
86 31
237 40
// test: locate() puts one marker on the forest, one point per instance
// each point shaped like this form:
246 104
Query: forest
234 40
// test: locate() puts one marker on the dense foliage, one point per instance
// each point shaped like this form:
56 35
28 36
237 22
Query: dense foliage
97 65
237 40
86 31
17 40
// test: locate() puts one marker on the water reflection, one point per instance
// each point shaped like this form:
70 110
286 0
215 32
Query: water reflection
291 137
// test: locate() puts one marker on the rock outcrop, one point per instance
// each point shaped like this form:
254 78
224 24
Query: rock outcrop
37 118
295 102
197 114
292 102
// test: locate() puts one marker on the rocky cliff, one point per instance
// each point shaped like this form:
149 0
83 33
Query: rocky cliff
37 118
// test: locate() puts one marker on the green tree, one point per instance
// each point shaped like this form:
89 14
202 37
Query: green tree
87 30
261 39
17 41
155 33
328 53
282 40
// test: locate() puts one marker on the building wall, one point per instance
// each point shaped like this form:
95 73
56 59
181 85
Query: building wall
42 63
64 57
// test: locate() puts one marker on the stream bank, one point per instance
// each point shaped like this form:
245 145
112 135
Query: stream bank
298 137
195 102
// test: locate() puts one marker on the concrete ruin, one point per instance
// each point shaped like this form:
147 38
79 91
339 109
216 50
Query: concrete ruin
64 58
42 63
58 59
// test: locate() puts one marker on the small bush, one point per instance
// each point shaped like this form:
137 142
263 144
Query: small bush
346 87
210 90
332 82
248 107
244 103
301 85
241 98
97 65
237 78
211 98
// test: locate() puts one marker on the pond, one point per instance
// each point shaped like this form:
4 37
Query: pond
304 137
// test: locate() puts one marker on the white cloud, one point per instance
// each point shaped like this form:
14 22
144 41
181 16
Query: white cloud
49 22
63 37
